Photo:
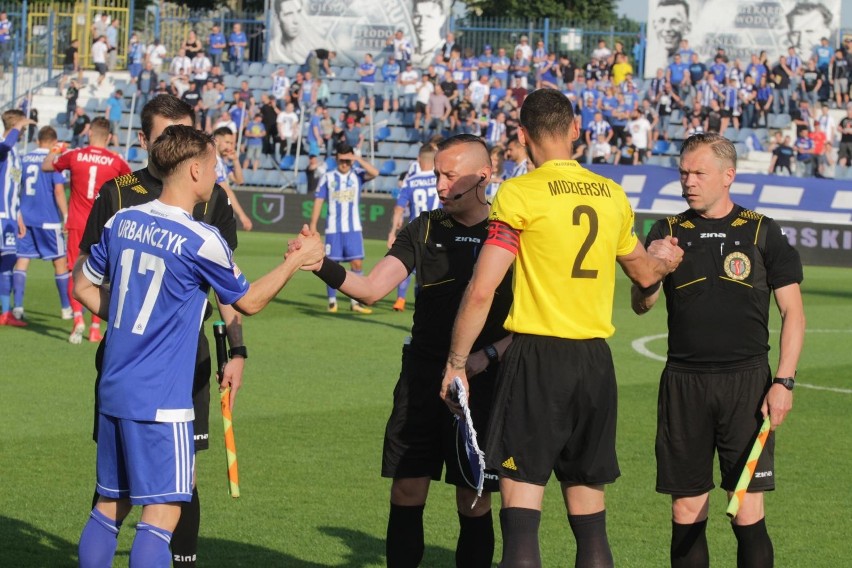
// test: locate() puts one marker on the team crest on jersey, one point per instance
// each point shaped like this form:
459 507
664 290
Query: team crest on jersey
737 266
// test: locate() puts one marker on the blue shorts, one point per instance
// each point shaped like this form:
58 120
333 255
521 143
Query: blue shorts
147 462
9 228
135 69
47 244
313 148
366 90
343 247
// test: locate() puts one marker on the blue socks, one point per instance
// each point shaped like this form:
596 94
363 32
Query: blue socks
5 291
150 547
19 283
62 281
98 541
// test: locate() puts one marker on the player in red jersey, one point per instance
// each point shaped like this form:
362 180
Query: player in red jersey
90 168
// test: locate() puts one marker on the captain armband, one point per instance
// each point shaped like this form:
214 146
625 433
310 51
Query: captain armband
502 235
332 273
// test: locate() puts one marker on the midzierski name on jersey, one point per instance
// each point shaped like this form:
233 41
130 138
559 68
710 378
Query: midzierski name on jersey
151 235
594 189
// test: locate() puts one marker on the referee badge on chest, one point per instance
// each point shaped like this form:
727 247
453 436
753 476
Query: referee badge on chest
737 266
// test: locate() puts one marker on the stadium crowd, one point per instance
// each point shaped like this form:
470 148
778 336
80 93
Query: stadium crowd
622 119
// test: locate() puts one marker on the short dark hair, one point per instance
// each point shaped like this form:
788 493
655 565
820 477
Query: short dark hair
223 131
805 7
177 144
167 106
47 134
343 148
683 3
547 113
102 124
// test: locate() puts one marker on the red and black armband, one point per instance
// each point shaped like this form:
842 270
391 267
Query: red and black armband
332 273
502 235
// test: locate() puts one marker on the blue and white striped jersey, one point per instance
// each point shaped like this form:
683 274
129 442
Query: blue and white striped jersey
342 193
419 194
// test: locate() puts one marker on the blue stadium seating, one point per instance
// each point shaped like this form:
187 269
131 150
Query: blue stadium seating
388 168
287 162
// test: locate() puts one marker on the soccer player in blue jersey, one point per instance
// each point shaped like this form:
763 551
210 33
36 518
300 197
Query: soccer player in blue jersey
43 211
10 179
417 195
343 239
161 264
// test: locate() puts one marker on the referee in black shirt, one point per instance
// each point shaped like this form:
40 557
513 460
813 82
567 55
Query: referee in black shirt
717 386
442 247
141 187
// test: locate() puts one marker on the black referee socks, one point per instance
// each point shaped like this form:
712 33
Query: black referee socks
520 537
689 545
592 545
404 544
475 548
185 537
754 548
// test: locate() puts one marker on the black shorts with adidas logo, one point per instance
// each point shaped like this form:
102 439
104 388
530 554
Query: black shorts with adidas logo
555 410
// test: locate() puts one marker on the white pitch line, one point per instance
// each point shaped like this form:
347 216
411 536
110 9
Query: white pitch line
641 346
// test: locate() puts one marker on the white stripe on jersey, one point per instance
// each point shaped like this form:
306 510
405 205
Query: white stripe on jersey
519 170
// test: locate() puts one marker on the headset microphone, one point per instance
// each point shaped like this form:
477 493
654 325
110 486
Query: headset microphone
462 194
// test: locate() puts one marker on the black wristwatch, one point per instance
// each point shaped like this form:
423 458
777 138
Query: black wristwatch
491 353
788 382
240 351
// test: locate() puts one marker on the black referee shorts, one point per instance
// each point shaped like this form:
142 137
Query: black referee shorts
421 434
716 409
555 411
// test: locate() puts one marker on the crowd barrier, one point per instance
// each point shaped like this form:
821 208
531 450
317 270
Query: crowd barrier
816 215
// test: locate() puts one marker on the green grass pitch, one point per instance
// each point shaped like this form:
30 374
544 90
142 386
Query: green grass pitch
309 423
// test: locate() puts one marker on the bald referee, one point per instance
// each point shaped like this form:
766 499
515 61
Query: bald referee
563 228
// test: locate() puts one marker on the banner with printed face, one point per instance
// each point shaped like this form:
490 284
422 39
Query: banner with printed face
741 27
352 28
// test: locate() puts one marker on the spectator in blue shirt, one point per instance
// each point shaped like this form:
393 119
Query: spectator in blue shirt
367 72
676 71
115 106
237 42
485 61
216 39
390 74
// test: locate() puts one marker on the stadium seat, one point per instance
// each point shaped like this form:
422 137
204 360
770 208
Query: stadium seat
133 119
399 149
660 147
385 149
676 132
383 133
346 73
742 150
413 151
388 168
256 81
249 177
779 121
302 163
287 162
292 69
330 164
269 69
231 82
350 87
744 134
255 69
398 134
266 83
673 149
401 168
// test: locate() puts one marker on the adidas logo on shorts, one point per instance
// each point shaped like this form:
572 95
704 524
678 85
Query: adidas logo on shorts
510 464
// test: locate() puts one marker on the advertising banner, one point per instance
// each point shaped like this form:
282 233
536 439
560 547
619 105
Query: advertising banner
355 27
741 27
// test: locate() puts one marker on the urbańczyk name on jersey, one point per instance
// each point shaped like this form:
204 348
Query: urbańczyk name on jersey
594 189
151 235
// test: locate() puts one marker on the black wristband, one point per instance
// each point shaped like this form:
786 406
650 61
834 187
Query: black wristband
650 289
239 351
331 273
